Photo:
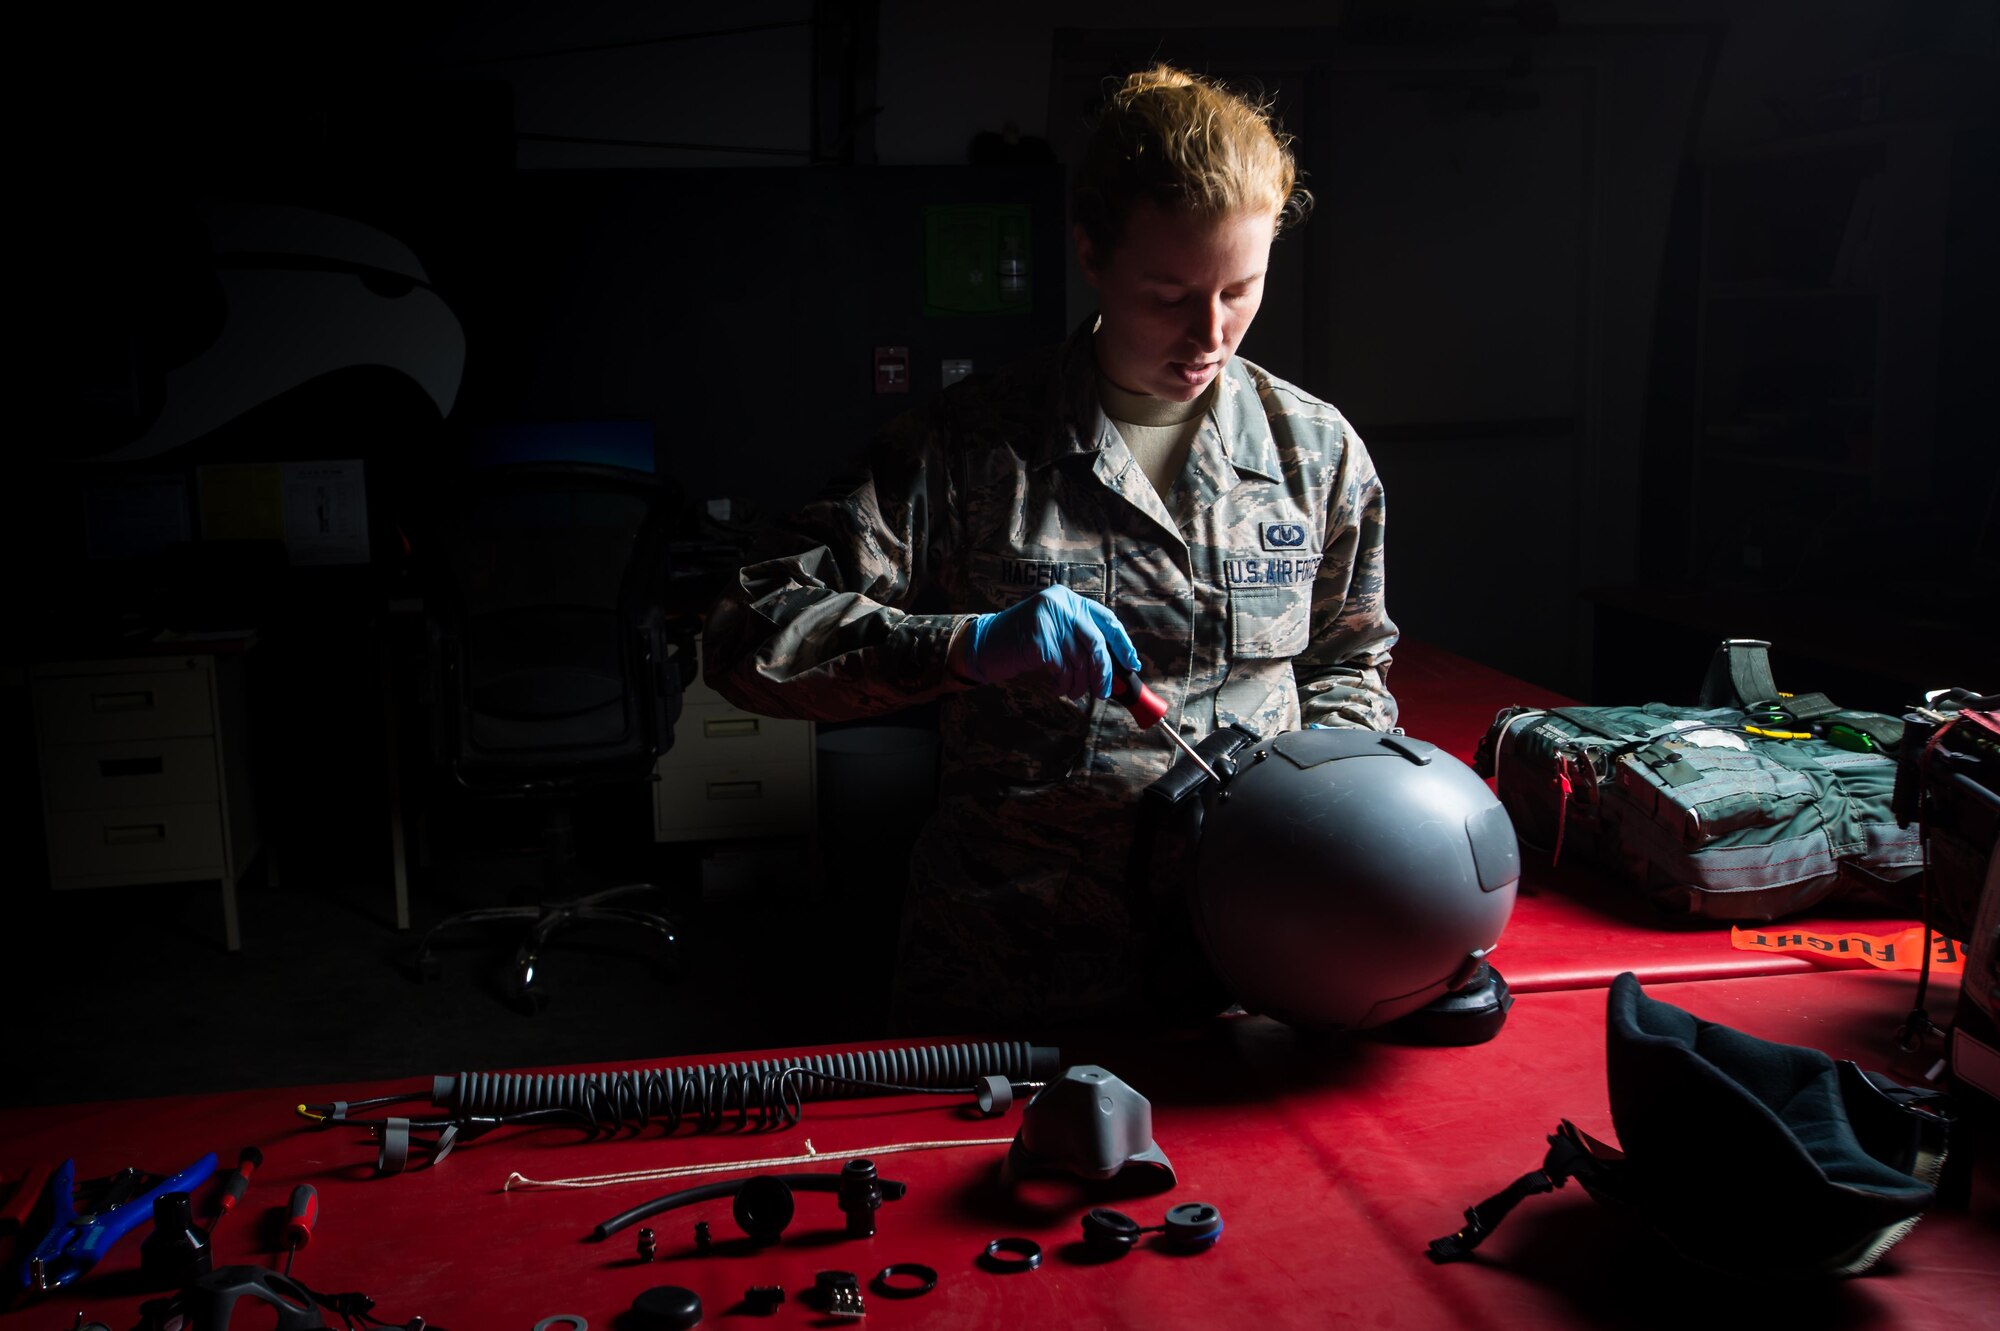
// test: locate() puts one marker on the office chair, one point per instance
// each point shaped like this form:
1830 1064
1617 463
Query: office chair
552 669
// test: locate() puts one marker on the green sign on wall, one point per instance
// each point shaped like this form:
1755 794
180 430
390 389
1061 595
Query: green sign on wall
978 259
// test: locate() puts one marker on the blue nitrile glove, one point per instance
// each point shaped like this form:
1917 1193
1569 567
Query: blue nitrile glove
1072 637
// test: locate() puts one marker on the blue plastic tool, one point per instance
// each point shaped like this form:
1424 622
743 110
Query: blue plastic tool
74 1243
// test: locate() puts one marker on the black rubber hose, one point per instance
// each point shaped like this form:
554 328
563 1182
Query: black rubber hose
891 1191
712 1090
648 1209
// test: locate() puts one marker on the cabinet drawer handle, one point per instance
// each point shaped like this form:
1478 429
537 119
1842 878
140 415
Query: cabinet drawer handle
137 834
153 766
138 700
735 790
729 726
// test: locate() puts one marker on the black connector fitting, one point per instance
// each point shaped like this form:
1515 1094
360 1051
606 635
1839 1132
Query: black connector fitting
838 1294
860 1196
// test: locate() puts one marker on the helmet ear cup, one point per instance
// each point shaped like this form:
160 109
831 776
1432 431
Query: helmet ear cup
1192 1226
763 1208
1110 1233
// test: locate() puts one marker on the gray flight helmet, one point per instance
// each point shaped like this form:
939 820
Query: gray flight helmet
1345 878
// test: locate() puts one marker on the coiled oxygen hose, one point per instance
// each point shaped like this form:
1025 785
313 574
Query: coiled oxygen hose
708 1092
766 1093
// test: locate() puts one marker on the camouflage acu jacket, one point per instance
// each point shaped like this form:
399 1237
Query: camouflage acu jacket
1253 594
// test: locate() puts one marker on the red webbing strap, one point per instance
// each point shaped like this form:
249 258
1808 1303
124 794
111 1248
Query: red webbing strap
1987 721
1562 805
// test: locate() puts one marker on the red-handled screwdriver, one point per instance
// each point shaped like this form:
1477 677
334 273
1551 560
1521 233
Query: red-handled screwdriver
1147 709
236 1182
299 1218
28 1190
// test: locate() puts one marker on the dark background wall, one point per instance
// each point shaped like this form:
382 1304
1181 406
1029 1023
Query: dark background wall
707 219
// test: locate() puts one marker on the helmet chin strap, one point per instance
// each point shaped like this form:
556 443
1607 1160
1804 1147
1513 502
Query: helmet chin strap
1571 1152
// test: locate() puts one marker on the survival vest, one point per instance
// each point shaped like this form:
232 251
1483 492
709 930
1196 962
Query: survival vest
1749 806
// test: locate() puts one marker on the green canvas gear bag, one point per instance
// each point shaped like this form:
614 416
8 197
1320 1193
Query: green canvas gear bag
1749 806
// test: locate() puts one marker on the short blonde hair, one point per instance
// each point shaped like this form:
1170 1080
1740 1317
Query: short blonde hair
1188 145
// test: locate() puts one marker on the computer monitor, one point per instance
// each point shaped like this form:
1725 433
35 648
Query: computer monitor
626 444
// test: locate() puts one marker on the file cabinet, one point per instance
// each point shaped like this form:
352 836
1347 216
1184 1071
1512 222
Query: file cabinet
733 774
145 767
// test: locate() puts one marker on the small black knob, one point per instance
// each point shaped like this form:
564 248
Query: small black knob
667 1308
175 1253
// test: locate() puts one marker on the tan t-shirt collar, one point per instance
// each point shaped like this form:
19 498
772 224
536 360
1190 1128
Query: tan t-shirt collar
1143 409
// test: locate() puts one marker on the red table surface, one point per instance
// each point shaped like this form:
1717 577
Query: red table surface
1332 1162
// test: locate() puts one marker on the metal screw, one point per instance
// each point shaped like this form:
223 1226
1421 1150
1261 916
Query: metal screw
647 1246
702 1242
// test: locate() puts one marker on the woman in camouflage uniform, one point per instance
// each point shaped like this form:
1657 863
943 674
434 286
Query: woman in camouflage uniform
1138 494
